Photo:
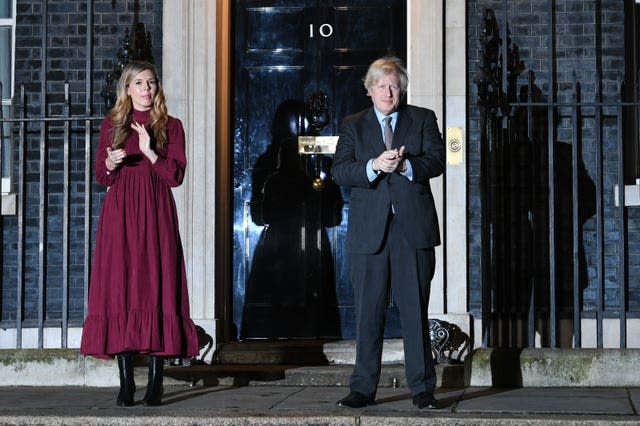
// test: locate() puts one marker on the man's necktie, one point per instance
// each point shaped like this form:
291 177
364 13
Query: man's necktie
388 132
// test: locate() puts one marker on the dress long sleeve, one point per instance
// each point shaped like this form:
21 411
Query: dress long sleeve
103 175
170 167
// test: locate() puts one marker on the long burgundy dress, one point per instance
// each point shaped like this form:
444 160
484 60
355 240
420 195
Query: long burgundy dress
138 299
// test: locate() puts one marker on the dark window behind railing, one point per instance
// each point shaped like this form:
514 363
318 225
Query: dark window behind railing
631 89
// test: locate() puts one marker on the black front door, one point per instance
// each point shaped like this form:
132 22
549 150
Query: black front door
290 275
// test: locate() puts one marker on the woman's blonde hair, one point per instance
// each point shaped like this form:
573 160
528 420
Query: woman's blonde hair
122 112
385 66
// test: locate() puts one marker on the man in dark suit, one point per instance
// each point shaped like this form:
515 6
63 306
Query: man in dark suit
392 229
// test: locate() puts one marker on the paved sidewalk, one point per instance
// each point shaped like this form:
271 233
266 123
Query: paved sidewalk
315 405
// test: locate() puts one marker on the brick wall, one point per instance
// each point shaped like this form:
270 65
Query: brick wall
66 55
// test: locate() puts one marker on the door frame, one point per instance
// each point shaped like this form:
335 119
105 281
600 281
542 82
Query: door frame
437 63
223 173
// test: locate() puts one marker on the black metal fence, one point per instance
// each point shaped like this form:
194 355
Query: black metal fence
555 220
46 282
46 242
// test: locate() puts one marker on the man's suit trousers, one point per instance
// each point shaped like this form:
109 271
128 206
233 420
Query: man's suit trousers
407 272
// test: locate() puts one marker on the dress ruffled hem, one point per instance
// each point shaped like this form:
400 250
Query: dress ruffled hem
148 333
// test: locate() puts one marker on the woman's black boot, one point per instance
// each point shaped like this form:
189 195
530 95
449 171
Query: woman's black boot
127 384
153 396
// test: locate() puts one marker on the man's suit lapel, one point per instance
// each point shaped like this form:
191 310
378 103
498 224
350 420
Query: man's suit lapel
373 132
402 127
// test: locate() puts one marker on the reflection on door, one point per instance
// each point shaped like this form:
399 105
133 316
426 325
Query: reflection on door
291 289
290 275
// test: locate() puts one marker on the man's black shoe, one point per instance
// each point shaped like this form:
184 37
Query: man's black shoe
425 400
355 400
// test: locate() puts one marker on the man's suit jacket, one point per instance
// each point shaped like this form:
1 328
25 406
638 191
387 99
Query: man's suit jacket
360 141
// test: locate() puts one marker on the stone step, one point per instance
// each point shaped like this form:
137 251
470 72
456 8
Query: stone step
306 362
392 375
303 352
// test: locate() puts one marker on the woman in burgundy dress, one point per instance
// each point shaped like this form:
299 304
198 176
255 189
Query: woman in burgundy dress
138 301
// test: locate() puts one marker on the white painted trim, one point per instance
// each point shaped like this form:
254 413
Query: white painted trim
189 31
436 61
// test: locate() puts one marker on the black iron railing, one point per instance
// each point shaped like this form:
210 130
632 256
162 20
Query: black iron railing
43 131
554 215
